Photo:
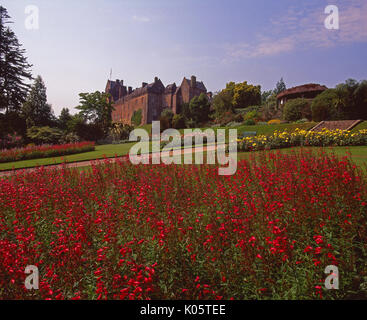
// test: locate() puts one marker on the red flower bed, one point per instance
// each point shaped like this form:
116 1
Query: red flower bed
183 232
45 151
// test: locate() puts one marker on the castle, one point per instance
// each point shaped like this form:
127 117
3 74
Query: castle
151 98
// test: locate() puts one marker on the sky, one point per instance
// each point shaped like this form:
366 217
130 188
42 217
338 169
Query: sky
78 42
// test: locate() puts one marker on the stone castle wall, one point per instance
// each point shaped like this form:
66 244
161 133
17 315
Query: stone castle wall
151 99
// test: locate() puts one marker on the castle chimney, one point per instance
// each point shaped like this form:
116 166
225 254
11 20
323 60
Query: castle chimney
155 79
130 90
193 81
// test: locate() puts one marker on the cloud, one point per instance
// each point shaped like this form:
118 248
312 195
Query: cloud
141 19
302 29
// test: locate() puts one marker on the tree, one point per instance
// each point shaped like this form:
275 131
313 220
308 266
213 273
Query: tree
265 95
280 86
245 95
352 99
222 103
178 121
96 108
323 107
44 135
296 109
166 119
200 109
35 110
137 118
64 118
14 68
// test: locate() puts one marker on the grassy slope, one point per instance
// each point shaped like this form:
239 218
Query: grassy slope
361 126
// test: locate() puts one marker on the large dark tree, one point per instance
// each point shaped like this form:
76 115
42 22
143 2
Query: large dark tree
64 118
14 68
36 111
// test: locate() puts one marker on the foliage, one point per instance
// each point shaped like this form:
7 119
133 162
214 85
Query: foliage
86 131
303 138
137 117
297 109
178 121
222 104
11 123
97 109
252 115
70 137
10 141
269 109
249 122
36 111
280 87
199 109
44 135
245 95
166 119
267 232
323 107
64 118
14 68
120 131
44 151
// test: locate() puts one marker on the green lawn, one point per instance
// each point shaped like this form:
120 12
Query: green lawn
105 151
361 126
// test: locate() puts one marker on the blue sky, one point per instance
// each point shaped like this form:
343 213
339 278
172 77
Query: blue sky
79 41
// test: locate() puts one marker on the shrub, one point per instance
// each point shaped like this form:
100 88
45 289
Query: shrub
249 122
296 109
137 118
275 121
11 141
119 131
323 106
178 121
44 135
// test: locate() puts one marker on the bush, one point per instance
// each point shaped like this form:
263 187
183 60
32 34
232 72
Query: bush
250 122
251 115
119 131
178 121
275 121
44 135
323 106
166 119
136 118
296 109
11 141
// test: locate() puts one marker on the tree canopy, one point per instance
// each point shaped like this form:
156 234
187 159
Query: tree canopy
14 68
35 110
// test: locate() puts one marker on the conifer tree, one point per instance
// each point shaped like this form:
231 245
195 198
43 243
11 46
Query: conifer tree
14 68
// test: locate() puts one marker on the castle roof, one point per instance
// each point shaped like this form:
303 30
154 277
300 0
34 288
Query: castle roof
199 85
